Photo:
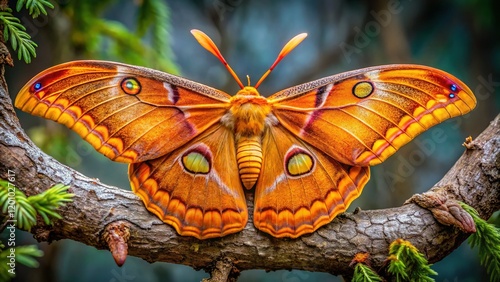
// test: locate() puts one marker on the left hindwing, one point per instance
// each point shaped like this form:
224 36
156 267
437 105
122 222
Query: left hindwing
195 188
362 117
300 188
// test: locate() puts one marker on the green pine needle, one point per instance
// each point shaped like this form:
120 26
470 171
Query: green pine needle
49 201
26 255
99 37
363 273
34 7
397 268
155 14
23 254
407 263
487 238
17 206
19 39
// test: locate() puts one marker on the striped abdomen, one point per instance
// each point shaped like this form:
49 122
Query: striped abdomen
249 158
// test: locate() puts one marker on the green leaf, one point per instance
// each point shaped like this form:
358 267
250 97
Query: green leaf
155 15
112 40
363 273
487 239
406 263
25 213
15 204
19 39
47 202
19 5
397 268
26 255
22 254
34 7
26 208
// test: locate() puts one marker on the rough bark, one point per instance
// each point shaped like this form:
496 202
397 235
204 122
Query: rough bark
474 180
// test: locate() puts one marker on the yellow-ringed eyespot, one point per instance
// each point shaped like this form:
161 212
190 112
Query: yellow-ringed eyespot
298 162
362 89
131 86
197 160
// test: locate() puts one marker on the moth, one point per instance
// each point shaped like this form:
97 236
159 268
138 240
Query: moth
193 150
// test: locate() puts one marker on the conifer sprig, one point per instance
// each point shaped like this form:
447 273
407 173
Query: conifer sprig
15 32
17 206
487 239
23 254
363 273
406 263
34 7
20 40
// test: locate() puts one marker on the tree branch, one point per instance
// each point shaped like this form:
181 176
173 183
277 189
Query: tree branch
474 179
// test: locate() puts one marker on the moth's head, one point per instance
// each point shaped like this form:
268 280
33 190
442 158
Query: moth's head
248 91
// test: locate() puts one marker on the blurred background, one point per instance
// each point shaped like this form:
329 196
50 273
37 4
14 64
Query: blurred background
460 37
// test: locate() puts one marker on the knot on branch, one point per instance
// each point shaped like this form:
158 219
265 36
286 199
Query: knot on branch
445 210
470 144
116 236
223 271
5 57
